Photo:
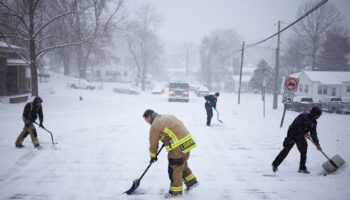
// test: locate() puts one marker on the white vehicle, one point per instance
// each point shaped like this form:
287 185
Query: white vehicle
80 84
333 105
202 91
158 89
179 91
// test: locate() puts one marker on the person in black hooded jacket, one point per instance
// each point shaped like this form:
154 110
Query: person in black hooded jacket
210 103
30 113
303 127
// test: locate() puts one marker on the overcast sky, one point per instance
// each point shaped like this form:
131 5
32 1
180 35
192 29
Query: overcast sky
190 20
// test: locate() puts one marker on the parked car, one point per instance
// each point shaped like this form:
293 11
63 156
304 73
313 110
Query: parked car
179 91
333 105
302 104
346 108
202 91
126 89
80 84
158 89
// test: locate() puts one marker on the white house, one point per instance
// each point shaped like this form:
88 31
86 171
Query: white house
247 74
115 74
321 84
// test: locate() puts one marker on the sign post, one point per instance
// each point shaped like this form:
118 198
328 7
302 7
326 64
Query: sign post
290 86
263 88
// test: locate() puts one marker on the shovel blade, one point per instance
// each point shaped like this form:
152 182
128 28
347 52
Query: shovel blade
134 186
329 166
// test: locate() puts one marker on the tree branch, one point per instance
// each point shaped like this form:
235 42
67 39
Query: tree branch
120 3
13 50
50 21
18 30
14 13
50 36
60 46
15 36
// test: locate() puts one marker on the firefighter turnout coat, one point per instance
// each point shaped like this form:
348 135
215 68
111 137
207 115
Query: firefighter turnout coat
171 131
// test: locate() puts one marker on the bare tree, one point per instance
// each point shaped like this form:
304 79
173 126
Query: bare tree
26 21
315 26
294 58
143 43
97 20
217 59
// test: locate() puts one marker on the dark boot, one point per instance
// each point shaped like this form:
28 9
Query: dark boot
304 171
19 145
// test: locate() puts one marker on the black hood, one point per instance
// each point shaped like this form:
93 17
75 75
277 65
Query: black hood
37 100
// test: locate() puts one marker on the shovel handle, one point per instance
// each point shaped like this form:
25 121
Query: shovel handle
331 161
151 163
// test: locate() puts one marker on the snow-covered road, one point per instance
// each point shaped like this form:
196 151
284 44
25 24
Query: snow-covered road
103 146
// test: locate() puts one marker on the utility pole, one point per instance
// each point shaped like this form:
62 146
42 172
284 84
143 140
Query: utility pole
240 75
187 70
275 92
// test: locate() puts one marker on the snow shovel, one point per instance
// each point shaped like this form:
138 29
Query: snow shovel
136 182
332 164
217 116
53 143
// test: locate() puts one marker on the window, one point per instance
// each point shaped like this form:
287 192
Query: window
301 88
334 91
3 81
348 88
306 88
319 90
324 90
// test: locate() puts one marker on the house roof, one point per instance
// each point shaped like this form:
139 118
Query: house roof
16 62
325 77
4 45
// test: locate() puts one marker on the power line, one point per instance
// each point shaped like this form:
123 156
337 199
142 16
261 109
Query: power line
296 21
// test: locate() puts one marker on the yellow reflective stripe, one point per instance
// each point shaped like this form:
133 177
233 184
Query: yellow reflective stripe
153 155
189 149
178 143
176 189
189 177
171 134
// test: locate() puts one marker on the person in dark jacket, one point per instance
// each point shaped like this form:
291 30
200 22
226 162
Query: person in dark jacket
31 112
210 103
302 128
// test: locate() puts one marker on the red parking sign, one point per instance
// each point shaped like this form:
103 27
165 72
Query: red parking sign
291 84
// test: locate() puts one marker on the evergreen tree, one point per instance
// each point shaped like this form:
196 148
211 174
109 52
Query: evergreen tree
334 52
263 72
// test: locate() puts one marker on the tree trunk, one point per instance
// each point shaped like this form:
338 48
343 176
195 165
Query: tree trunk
32 56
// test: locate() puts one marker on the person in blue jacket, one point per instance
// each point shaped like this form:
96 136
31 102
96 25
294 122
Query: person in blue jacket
210 103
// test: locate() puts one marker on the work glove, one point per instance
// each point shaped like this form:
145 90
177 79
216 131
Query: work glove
307 135
153 159
41 125
318 146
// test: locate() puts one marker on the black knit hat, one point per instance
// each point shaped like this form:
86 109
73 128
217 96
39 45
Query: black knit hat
217 94
315 111
148 112
37 100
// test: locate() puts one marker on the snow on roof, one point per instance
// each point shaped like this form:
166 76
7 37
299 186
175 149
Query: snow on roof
326 77
16 62
244 78
3 44
296 75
